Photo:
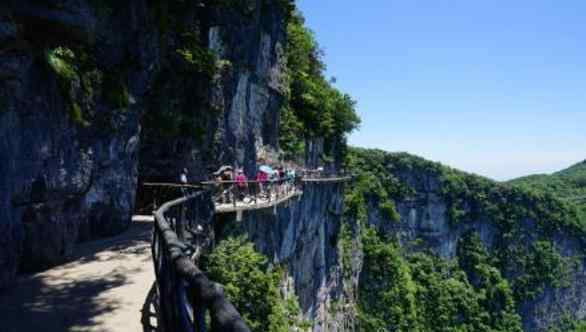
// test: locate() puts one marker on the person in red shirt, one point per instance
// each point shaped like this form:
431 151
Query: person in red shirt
262 178
242 184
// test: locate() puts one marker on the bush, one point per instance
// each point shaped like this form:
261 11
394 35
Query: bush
115 91
60 60
252 286
314 107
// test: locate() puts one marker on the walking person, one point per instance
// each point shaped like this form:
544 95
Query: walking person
241 185
183 180
290 174
262 177
227 178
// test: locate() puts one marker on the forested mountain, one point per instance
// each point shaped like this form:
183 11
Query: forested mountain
568 184
449 251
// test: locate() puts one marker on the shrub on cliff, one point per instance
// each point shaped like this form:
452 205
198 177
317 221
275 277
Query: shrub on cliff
252 286
314 107
420 292
486 286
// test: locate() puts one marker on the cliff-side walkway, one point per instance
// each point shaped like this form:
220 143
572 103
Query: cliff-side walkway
105 286
102 289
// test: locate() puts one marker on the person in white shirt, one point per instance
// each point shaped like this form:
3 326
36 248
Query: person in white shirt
183 180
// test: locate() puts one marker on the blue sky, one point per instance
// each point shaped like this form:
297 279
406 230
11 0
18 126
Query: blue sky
495 87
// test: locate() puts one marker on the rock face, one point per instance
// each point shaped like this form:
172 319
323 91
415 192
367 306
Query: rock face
303 236
79 79
69 157
424 217
232 114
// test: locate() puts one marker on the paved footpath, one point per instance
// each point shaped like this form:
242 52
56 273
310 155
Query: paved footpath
103 288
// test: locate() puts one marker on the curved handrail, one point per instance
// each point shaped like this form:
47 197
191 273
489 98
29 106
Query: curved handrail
186 290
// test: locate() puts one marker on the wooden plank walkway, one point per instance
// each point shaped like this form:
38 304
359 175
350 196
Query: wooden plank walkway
103 288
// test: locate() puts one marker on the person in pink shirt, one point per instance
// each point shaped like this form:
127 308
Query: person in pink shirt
261 178
242 184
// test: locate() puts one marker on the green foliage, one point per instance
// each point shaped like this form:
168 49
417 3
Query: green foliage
544 265
387 299
496 295
567 324
316 108
389 211
291 134
64 63
482 291
346 248
199 60
468 196
115 91
568 185
421 292
77 115
252 286
196 58
61 61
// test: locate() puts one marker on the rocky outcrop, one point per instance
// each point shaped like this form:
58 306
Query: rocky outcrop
232 113
424 223
302 235
94 93
69 157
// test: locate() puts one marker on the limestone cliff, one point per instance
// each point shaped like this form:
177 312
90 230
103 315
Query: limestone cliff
78 81
303 236
68 149
427 207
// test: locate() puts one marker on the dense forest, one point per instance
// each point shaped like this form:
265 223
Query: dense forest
409 287
568 185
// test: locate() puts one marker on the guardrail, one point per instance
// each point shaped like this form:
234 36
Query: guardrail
185 294
252 191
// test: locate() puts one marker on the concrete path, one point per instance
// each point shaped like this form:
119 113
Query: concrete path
103 288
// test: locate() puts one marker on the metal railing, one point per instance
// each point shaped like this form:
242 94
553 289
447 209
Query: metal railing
252 191
185 294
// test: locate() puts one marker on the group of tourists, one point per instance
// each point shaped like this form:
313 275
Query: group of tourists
234 185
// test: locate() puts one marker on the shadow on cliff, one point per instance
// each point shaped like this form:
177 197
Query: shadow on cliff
76 296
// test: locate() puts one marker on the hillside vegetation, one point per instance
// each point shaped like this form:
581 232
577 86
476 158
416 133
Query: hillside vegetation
409 287
314 107
568 185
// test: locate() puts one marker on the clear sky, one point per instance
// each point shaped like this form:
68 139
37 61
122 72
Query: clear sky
495 87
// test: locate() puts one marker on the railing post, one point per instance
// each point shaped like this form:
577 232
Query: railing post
199 315
180 227
278 189
235 193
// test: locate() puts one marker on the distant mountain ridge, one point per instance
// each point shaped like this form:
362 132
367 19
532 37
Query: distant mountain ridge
449 240
568 184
